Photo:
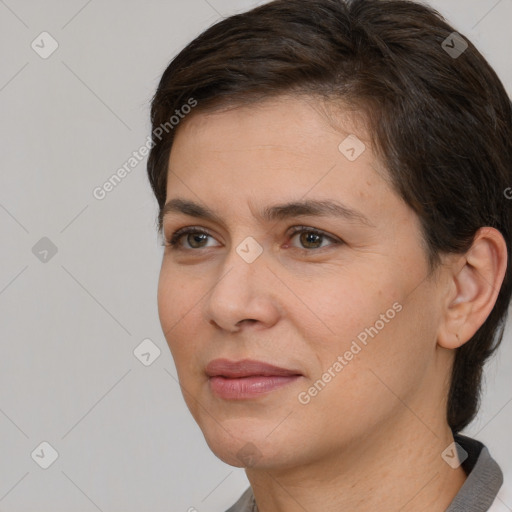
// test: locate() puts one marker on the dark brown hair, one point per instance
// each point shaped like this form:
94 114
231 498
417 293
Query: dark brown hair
440 122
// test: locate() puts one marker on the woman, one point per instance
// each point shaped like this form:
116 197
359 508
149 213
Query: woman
331 179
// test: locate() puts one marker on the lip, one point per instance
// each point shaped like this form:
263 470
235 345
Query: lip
246 379
246 368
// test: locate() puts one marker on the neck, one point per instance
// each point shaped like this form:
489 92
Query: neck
398 467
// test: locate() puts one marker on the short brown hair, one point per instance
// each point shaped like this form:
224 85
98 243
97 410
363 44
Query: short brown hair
442 123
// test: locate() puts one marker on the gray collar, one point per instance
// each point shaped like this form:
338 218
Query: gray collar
484 478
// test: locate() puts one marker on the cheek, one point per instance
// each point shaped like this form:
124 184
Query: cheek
176 301
373 375
167 298
393 361
335 309
378 330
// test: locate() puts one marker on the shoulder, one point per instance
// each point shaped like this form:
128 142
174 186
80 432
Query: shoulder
503 501
244 503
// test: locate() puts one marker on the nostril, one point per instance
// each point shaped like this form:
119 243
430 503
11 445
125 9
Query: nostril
246 320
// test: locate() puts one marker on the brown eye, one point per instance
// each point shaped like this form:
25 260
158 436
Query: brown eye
195 238
312 238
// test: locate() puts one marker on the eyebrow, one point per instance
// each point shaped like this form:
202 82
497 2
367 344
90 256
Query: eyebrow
318 208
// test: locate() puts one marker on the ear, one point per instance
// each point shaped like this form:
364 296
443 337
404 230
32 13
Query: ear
475 281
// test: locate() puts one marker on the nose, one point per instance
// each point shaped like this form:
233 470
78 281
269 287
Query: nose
243 294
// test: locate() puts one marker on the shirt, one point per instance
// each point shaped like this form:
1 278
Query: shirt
477 494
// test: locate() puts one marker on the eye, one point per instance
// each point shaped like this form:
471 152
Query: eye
310 237
195 237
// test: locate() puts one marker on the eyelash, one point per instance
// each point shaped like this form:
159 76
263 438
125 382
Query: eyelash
173 240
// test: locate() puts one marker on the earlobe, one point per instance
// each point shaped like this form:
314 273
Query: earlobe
476 279
451 333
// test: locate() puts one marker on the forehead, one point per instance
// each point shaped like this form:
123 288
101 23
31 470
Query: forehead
275 152
286 120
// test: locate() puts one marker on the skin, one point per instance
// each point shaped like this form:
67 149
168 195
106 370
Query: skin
372 438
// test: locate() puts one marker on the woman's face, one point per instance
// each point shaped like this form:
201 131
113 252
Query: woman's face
344 305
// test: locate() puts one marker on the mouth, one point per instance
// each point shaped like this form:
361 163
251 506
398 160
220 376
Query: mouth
246 379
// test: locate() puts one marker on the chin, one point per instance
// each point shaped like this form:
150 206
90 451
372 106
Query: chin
243 449
253 450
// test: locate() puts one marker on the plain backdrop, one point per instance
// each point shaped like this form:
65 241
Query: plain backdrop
78 275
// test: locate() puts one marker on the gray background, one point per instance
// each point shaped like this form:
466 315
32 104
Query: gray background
69 325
